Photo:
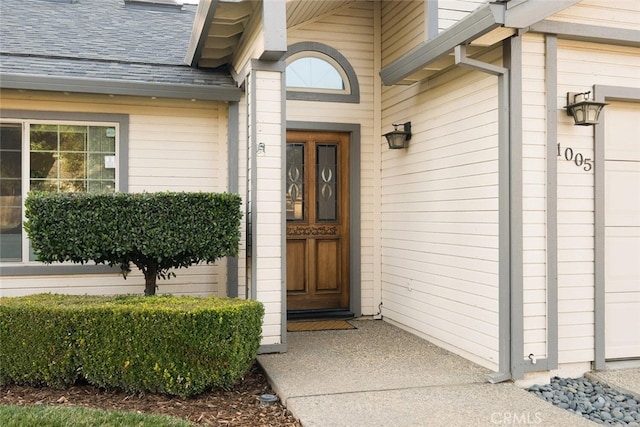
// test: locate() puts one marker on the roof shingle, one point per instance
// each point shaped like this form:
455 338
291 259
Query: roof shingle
100 39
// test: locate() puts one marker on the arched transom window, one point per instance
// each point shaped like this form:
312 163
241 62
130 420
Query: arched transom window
314 71
317 72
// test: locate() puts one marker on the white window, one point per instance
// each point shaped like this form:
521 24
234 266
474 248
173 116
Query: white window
50 156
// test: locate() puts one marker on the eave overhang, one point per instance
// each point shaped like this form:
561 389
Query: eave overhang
119 87
201 25
219 27
478 23
217 30
487 25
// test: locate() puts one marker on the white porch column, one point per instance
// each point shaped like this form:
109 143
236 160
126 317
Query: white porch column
267 132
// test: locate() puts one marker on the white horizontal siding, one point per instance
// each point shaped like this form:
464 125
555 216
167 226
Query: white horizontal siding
615 14
440 213
403 28
174 145
173 160
452 11
580 66
196 280
267 229
352 32
432 309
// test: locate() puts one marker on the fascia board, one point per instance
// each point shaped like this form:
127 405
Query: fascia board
589 33
201 25
480 22
114 87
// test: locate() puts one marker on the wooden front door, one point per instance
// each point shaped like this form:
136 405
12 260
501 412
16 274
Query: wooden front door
317 204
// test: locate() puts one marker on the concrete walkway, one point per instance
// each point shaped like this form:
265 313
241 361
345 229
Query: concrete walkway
380 375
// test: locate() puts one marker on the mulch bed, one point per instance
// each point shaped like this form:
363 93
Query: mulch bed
236 407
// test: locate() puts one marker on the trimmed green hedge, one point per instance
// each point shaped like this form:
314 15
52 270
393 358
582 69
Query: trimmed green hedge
155 231
164 344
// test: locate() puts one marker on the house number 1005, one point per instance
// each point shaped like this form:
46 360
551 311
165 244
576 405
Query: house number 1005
576 158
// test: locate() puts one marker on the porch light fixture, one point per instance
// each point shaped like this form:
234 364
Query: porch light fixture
583 111
398 138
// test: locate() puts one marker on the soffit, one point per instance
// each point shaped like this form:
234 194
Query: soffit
301 11
438 65
222 32
474 48
227 21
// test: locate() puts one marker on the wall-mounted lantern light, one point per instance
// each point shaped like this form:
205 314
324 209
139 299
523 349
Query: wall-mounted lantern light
583 111
398 138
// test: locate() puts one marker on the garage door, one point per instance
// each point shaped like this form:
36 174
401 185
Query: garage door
622 231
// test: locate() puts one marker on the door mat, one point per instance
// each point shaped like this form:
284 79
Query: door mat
318 325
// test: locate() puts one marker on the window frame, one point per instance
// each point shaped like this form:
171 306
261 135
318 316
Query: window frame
351 94
26 118
26 145
330 61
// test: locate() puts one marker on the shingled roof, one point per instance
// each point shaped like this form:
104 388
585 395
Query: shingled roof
103 46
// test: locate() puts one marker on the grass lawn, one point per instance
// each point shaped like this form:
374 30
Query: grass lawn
67 416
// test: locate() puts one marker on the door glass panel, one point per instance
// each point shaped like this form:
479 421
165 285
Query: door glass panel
10 192
326 189
295 182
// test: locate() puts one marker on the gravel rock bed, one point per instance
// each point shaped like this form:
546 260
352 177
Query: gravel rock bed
595 401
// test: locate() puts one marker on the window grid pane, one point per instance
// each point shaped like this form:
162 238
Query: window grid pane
313 73
72 158
10 192
60 157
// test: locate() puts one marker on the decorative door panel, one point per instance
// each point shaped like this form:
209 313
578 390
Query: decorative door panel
296 265
327 253
317 204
